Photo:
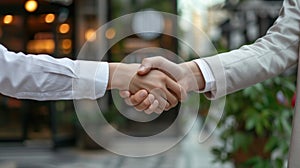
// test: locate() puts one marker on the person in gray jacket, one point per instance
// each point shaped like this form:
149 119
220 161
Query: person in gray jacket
229 72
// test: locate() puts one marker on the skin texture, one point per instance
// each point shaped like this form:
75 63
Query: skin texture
164 90
188 75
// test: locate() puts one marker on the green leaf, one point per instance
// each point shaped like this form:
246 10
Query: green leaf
286 126
259 128
271 144
278 163
241 141
259 87
250 123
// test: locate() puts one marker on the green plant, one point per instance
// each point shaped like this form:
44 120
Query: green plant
256 128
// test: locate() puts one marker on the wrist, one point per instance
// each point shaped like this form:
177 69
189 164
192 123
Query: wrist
120 75
193 78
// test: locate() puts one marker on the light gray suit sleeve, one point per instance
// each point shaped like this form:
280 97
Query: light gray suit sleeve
267 57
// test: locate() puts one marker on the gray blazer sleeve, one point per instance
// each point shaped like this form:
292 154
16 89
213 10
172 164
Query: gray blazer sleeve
267 57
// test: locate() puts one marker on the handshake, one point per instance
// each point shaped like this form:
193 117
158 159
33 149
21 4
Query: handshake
156 84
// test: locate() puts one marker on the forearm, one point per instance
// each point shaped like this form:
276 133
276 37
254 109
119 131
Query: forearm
120 75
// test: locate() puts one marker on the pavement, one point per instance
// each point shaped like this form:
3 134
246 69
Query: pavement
187 154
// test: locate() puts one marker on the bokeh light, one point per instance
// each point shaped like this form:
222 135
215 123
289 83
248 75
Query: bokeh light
31 5
64 28
66 44
90 35
8 19
49 18
110 33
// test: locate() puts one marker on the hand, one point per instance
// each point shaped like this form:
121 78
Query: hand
160 86
187 74
164 91
141 100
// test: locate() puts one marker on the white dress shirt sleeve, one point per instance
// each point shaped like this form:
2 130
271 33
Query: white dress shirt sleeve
209 79
42 77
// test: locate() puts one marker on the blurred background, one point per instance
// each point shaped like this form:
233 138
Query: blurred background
254 131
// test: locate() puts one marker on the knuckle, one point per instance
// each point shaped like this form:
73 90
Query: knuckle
146 103
134 100
148 111
161 106
173 103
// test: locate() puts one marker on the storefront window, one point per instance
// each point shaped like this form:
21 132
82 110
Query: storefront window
37 27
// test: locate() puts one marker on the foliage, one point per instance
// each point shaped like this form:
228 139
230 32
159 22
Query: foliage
256 114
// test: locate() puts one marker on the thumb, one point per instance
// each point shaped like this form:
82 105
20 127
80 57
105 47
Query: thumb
145 66
171 69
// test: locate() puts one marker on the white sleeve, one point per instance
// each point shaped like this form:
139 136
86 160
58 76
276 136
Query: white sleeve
42 77
209 79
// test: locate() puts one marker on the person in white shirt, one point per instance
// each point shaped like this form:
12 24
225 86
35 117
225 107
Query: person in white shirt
42 77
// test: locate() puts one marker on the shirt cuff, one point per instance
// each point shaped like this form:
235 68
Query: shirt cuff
209 79
91 81
101 79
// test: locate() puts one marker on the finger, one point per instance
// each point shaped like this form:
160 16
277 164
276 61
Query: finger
172 100
162 64
159 110
144 69
145 104
128 102
128 99
176 89
167 108
148 64
162 104
152 107
161 97
124 94
138 97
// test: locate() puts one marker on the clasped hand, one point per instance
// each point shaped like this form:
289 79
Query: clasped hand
157 84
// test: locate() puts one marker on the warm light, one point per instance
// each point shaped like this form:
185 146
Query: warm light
49 18
66 44
68 51
31 5
64 28
90 35
110 33
41 46
8 19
